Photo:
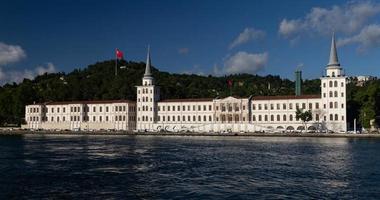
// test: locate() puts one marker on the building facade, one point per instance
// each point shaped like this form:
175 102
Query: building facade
230 114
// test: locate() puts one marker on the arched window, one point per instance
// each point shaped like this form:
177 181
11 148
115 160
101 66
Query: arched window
330 94
253 118
260 118
278 118
335 104
336 117
266 118
284 118
331 117
271 118
333 74
335 83
290 117
330 84
335 93
331 105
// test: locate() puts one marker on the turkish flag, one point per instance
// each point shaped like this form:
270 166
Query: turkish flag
119 54
229 82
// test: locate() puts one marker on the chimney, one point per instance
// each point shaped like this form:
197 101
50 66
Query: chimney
298 89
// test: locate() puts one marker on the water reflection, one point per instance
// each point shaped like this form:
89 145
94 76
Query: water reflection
150 167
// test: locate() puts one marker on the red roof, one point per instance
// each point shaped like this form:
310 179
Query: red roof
187 100
89 102
286 97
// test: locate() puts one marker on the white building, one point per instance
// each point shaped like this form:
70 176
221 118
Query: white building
150 113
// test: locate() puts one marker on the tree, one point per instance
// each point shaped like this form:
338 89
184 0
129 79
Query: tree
305 116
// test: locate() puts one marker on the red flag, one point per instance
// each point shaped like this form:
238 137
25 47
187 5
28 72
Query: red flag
229 83
119 54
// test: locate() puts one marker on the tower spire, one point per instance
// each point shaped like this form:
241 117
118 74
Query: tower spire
333 62
147 67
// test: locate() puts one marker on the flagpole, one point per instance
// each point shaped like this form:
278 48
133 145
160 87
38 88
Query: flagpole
116 64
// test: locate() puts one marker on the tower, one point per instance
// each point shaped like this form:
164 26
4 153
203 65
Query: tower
333 93
298 81
147 96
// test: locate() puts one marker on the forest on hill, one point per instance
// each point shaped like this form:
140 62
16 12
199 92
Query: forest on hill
98 82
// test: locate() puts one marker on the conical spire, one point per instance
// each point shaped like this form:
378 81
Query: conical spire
333 62
147 67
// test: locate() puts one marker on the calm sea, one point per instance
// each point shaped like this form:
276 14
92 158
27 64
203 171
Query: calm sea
148 167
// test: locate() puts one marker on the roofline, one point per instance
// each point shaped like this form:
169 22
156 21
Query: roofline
286 97
87 102
186 100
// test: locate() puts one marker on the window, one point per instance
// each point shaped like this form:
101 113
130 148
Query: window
290 106
331 105
342 94
278 118
183 118
330 94
324 94
100 109
253 106
335 83
342 105
209 107
260 118
331 117
284 118
290 117
297 106
336 117
316 105
341 84
310 106
271 118
93 118
284 106
324 85
178 118
266 118
173 108
188 118
335 93
259 106
209 118
271 106
317 117
199 118
183 108
204 107
265 106
106 108
335 104
94 109
253 118
204 118
330 84
278 106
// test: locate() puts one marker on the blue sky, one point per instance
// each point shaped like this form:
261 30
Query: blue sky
202 37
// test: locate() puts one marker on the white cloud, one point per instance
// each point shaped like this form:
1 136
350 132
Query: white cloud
367 38
289 27
243 62
347 19
247 35
10 53
183 51
19 75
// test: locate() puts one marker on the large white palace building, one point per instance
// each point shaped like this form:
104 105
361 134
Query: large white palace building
150 113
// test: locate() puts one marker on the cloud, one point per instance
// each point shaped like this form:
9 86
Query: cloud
196 69
10 53
347 19
247 35
183 51
367 38
243 62
18 76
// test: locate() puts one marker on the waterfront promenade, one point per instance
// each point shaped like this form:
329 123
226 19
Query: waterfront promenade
261 134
